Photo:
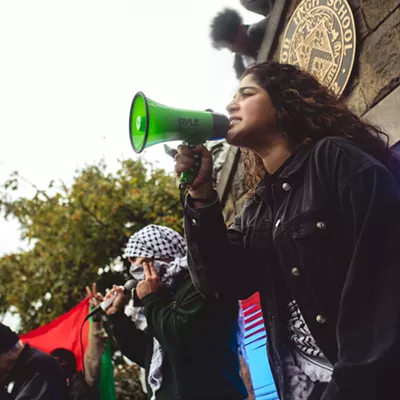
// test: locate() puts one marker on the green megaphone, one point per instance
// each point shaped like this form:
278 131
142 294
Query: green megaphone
151 123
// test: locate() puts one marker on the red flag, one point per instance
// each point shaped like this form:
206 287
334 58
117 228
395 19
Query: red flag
63 332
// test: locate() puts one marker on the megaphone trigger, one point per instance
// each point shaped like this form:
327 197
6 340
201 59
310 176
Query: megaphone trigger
170 151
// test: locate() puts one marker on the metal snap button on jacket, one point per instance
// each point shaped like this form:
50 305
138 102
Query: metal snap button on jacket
320 319
286 187
321 225
295 271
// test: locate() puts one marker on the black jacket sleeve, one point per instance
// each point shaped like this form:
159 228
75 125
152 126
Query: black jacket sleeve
181 321
219 262
131 340
368 328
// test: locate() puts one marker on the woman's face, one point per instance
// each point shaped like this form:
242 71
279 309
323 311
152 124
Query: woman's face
252 116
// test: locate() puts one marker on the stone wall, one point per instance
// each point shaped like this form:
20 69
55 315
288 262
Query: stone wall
373 91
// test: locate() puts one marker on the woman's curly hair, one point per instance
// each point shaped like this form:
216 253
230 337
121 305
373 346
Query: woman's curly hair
307 112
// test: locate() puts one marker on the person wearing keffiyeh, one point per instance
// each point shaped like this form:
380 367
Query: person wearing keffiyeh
189 348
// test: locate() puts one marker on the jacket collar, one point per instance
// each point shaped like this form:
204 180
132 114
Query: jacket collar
301 156
292 168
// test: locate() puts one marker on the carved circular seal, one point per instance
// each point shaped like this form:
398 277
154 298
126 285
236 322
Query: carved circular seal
321 38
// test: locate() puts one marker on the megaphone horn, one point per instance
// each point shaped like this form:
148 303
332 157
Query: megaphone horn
151 123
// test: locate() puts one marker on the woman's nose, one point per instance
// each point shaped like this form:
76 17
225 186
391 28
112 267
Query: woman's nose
232 106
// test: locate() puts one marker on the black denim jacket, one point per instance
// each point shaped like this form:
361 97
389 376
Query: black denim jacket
334 245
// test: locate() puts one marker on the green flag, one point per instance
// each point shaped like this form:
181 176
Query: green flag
107 384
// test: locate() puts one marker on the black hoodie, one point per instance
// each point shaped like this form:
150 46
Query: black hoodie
35 376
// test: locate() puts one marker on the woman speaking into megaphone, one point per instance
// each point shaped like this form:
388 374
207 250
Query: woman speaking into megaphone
317 237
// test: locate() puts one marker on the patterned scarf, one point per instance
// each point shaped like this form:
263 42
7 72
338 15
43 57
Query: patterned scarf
159 243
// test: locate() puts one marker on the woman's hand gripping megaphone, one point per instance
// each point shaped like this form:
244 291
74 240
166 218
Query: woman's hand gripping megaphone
186 160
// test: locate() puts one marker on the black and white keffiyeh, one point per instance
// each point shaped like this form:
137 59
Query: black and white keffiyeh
310 364
159 243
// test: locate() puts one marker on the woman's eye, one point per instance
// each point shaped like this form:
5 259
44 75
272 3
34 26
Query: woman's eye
246 94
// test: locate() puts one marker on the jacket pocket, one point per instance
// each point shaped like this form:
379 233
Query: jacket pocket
318 256
311 237
259 235
312 227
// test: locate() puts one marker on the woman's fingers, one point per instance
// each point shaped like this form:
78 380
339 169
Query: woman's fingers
146 270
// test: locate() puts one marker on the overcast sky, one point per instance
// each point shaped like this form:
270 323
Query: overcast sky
69 71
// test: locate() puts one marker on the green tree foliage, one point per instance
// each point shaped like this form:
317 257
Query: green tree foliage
77 234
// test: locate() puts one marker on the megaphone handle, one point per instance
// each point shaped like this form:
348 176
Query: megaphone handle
188 177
